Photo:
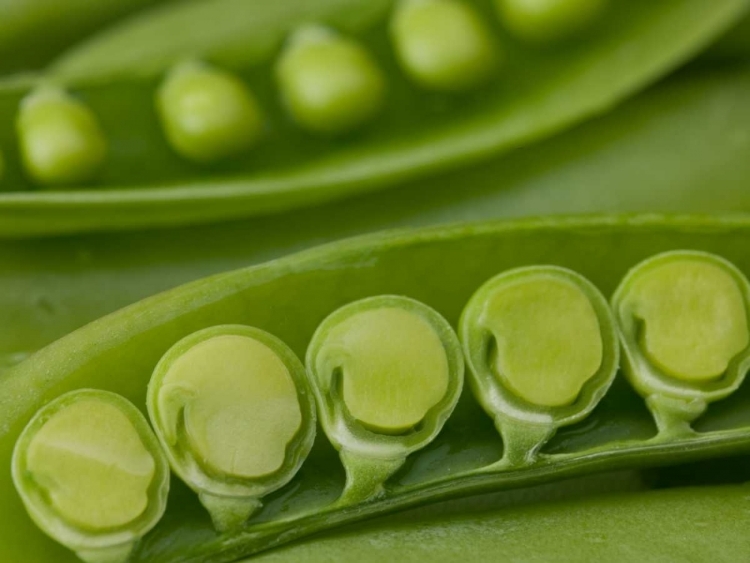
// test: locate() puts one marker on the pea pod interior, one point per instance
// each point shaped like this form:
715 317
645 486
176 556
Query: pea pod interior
143 181
289 298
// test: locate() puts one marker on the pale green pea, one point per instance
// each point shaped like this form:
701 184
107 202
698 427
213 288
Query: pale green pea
231 407
684 320
60 139
545 21
443 44
91 474
208 114
329 84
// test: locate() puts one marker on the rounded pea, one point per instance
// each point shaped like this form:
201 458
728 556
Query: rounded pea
544 21
443 44
684 320
208 114
329 84
92 474
542 350
60 139
387 372
232 409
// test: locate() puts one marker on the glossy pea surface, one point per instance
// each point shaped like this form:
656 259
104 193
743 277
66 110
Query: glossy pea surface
61 141
208 114
547 21
329 83
443 44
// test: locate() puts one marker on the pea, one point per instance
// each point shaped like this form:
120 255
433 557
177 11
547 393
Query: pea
231 407
208 114
684 320
542 350
443 44
376 316
546 21
329 84
387 372
60 139
91 474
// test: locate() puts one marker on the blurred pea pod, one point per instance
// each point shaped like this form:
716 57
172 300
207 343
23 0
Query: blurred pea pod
388 117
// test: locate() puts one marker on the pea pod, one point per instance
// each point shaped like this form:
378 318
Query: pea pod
145 181
645 153
292 296
620 528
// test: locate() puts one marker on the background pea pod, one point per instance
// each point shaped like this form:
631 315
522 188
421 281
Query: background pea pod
681 146
290 297
143 182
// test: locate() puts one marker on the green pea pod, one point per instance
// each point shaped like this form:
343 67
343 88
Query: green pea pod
290 296
410 131
542 349
32 32
683 319
620 528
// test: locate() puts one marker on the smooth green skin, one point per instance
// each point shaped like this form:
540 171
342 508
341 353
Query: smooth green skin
542 351
548 21
443 44
61 141
145 183
622 528
32 32
642 157
704 358
232 409
394 367
91 474
290 297
328 83
548 339
208 114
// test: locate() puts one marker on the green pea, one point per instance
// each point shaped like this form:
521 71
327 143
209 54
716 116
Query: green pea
387 372
60 139
443 44
91 474
542 351
544 21
208 114
684 321
329 84
231 407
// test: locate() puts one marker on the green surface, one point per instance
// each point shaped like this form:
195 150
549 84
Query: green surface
144 182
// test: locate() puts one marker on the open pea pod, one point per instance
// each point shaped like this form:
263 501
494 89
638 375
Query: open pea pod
644 156
441 269
266 142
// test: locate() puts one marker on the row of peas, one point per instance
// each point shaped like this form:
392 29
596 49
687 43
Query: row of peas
329 84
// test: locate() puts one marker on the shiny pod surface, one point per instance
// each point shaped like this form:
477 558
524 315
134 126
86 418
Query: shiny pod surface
291 296
144 182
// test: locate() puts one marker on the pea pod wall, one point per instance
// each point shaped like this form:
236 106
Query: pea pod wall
290 297
680 147
619 528
143 182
